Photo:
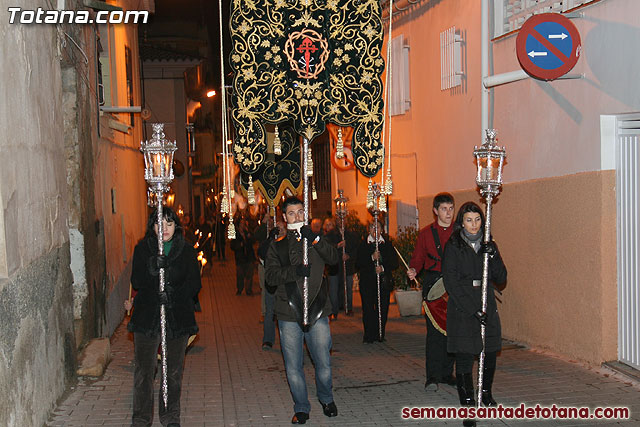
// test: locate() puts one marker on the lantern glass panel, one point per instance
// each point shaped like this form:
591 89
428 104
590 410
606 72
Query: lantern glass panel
489 168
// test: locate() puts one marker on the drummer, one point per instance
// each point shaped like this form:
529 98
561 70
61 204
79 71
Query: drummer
427 256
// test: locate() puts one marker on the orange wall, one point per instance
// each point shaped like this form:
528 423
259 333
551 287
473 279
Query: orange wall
557 242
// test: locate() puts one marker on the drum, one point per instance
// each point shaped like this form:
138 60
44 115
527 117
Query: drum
436 291
435 306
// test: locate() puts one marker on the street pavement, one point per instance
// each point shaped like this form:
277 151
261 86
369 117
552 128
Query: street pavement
230 381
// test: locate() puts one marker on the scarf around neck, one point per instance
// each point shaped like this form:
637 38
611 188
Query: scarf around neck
472 240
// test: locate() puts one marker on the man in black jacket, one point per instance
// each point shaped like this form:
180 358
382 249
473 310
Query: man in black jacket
371 263
284 268
242 247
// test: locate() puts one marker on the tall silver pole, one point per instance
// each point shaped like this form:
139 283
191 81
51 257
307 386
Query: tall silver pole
305 243
344 264
485 286
376 200
375 218
489 179
163 317
158 159
341 211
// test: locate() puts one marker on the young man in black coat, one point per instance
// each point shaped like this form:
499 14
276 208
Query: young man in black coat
245 256
284 268
387 260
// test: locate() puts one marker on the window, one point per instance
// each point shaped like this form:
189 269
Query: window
129 71
400 96
450 59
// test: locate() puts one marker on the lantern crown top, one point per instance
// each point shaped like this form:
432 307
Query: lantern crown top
341 198
491 136
158 131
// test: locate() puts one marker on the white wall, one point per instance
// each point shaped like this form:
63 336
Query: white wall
553 128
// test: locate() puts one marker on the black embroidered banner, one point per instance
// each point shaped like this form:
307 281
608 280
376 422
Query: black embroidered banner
308 62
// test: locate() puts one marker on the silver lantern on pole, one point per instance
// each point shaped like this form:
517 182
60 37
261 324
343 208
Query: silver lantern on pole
158 172
341 212
489 160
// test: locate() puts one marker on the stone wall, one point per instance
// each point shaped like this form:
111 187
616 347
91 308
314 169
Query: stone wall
37 344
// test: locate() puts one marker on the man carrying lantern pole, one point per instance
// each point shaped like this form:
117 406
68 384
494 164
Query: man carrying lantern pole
303 307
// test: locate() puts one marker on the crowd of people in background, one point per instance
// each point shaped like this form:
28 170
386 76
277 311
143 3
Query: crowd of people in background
447 261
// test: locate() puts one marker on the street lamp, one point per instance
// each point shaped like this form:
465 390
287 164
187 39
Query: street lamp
489 160
158 172
341 212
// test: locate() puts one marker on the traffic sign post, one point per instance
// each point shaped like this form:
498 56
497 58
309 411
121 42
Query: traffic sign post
548 46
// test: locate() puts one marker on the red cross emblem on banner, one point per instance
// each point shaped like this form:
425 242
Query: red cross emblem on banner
307 47
307 51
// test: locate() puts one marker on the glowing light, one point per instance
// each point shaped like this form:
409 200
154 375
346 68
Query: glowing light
211 94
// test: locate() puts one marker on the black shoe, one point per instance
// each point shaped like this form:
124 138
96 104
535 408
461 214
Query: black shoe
330 409
367 341
249 293
266 345
299 418
350 313
449 380
431 384
465 389
238 292
487 398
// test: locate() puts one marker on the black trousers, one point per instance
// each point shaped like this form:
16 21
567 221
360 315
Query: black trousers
146 361
244 276
464 362
369 297
439 363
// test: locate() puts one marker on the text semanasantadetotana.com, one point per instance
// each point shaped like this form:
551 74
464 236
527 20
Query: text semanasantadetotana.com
518 412
17 15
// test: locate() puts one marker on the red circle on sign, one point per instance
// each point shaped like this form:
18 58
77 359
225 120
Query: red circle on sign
528 29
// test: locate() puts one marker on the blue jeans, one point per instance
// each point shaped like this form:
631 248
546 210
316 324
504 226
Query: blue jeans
269 325
334 284
318 340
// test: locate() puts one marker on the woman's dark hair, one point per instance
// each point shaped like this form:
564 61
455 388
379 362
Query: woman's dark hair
457 225
169 215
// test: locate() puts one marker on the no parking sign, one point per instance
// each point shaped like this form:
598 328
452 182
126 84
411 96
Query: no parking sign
548 46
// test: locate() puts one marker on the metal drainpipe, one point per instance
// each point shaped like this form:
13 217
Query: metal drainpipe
484 99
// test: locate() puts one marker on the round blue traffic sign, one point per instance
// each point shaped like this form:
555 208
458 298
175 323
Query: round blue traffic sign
548 46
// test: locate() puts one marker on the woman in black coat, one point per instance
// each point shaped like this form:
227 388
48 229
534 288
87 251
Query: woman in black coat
182 284
462 273
365 263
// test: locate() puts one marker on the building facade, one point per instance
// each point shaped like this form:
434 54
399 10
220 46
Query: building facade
558 216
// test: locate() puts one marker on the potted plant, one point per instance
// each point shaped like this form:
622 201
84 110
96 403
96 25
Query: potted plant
408 296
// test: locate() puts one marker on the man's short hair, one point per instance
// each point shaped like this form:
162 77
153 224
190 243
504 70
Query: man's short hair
442 198
293 200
